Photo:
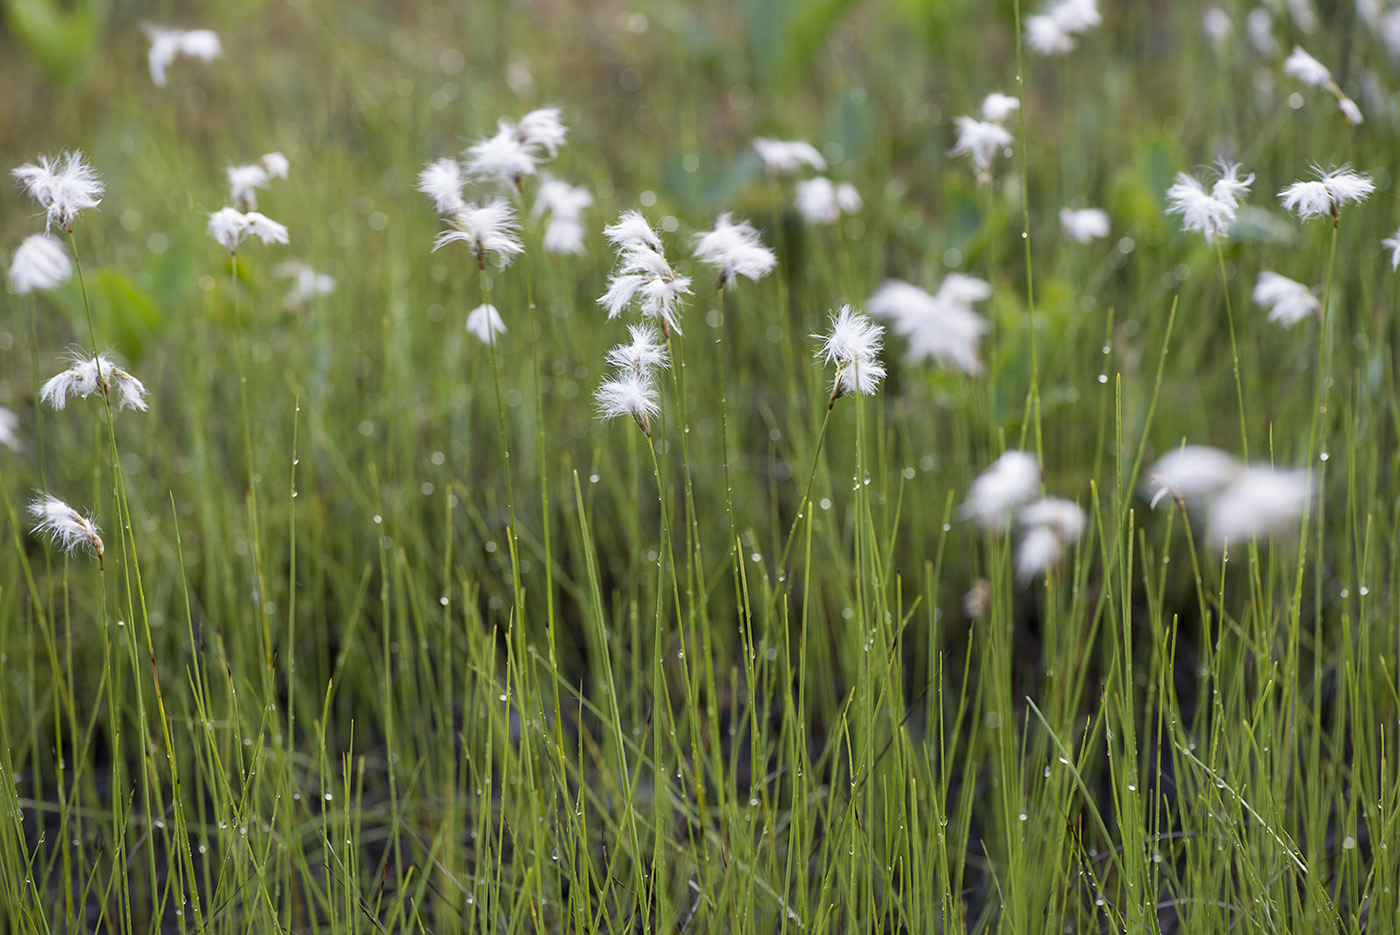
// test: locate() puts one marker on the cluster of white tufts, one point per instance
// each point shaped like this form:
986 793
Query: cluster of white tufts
853 345
941 326
1240 502
643 274
631 390
1007 495
818 200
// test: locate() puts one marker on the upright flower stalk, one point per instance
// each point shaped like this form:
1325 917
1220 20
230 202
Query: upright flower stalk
1211 212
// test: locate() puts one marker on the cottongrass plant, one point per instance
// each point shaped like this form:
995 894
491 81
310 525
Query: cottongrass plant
167 44
1313 73
244 181
822 201
1212 213
65 527
1288 301
942 326
1084 225
89 374
64 186
787 157
40 262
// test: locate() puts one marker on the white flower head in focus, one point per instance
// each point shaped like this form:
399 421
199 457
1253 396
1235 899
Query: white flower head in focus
168 43
1327 194
734 250
489 228
644 355
821 201
853 345
1209 212
1011 481
89 374
62 187
643 274
632 394
786 157
1289 302
982 141
41 262
64 526
485 322
1084 225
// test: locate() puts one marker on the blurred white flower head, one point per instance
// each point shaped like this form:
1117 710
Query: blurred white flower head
1259 23
1392 244
485 322
982 141
1327 195
996 107
1084 225
1052 31
821 201
1209 212
786 157
517 149
853 345
734 250
1307 69
1261 502
41 262
1240 502
1050 526
564 203
1190 474
1011 481
168 43
244 181
441 180
229 226
1289 302
89 374
63 186
1217 26
64 526
942 326
9 424
307 283
486 229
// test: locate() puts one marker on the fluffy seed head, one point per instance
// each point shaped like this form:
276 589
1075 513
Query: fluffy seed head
441 181
853 345
1289 302
64 526
41 262
1012 480
485 322
734 250
62 186
1085 224
489 228
632 394
821 201
786 157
